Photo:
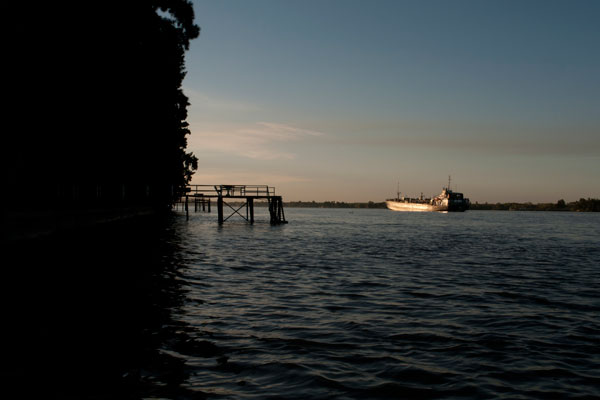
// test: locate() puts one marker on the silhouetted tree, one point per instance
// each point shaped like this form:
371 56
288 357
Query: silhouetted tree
96 96
587 205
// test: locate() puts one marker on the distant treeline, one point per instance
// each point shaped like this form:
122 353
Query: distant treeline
333 204
561 205
579 205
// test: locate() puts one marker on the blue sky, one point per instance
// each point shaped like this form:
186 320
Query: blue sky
342 100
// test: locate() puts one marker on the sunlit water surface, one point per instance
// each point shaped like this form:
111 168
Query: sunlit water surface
337 304
378 304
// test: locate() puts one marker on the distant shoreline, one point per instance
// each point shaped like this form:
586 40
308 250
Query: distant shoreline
582 205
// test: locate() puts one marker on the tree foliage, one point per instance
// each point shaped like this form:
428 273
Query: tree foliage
96 93
580 205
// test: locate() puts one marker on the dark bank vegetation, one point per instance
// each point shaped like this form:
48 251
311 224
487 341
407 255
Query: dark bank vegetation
561 205
333 204
95 101
581 205
316 204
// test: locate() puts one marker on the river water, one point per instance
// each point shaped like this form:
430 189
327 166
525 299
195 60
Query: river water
337 304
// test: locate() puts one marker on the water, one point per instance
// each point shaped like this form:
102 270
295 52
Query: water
347 304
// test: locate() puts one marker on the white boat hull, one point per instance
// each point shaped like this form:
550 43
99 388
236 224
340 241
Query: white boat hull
414 207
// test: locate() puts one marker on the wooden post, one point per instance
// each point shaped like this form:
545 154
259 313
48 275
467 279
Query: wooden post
279 209
220 209
195 204
208 205
272 209
250 202
282 212
187 210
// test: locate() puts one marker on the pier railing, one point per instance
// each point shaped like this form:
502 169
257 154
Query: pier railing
256 191
201 196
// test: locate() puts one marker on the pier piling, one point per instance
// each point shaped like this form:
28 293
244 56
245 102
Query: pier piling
250 202
220 209
203 194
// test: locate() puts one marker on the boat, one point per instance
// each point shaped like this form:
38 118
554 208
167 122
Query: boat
446 201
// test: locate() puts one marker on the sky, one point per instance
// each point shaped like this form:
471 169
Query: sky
346 100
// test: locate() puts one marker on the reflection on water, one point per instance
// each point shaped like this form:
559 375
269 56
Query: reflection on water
90 316
337 304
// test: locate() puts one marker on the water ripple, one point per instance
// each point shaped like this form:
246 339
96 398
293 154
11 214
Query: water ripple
382 305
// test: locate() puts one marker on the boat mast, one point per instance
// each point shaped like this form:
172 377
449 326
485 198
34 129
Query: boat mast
398 193
448 182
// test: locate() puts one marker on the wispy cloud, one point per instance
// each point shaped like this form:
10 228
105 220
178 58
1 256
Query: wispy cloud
488 138
262 140
288 131
204 102
234 177
483 145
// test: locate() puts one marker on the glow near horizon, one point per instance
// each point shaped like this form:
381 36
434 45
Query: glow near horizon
341 100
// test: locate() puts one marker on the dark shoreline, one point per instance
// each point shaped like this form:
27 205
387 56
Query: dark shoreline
34 224
86 312
582 205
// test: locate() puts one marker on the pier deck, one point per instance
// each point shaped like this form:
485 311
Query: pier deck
201 196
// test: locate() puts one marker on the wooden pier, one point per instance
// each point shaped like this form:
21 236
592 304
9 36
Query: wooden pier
203 195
